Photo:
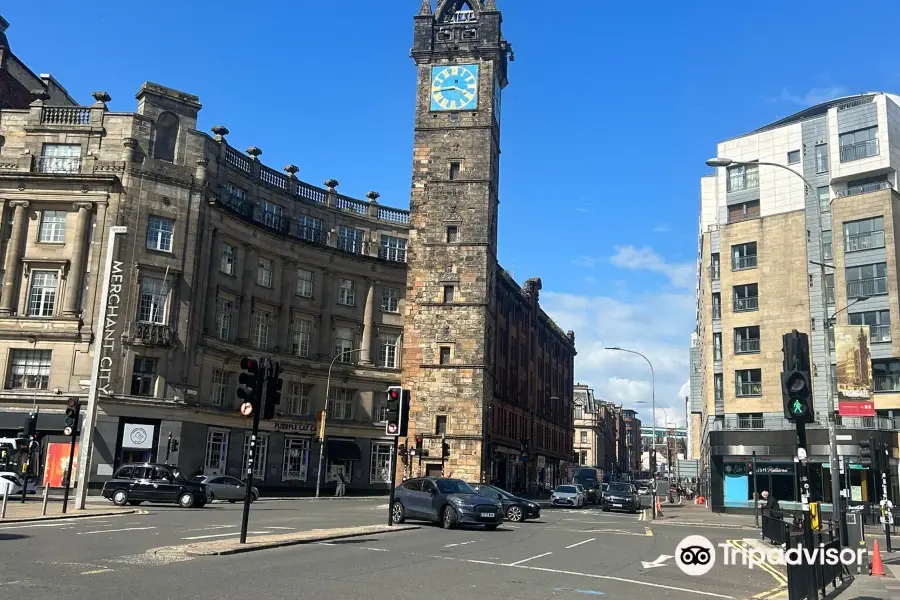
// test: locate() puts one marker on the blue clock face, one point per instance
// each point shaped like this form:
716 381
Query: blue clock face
454 87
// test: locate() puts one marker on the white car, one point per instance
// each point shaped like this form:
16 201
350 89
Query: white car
11 483
567 495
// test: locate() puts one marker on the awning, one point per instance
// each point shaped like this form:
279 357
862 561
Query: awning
343 450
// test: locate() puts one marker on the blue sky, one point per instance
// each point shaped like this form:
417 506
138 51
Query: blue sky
611 110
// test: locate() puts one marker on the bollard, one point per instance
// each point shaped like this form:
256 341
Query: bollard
5 499
46 497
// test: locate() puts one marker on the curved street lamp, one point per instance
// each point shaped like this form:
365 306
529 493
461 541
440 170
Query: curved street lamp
652 393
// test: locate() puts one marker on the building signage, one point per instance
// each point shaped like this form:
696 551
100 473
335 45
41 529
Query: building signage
856 408
297 427
111 320
139 437
854 371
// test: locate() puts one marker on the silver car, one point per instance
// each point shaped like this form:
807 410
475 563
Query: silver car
228 488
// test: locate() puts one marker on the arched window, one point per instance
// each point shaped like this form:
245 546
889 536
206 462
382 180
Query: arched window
166 137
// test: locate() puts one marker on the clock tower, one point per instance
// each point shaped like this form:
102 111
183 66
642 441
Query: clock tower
461 60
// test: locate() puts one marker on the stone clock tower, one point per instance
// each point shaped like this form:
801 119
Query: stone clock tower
461 58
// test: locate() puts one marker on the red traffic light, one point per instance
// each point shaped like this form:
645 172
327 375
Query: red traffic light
249 364
419 438
395 394
72 403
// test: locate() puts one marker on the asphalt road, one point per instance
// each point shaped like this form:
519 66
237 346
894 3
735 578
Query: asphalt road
566 554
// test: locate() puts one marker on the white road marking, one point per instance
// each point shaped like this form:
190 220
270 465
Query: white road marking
375 549
580 543
461 544
95 571
291 528
34 525
213 527
114 530
217 535
325 543
519 562
481 562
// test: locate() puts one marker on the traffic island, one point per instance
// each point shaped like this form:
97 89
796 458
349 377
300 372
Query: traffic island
264 542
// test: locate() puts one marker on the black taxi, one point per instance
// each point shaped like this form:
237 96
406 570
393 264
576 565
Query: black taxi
151 482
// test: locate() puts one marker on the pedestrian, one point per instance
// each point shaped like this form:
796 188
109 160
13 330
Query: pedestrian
772 505
341 488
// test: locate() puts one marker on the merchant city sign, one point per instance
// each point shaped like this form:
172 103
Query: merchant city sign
110 323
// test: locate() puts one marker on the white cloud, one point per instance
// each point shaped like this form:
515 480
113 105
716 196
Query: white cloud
815 95
588 262
662 228
683 275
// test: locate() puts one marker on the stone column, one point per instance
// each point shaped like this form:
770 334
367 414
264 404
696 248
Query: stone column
251 263
326 348
75 286
368 324
212 286
13 264
288 288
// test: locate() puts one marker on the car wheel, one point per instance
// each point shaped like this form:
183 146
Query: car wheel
120 497
186 500
448 518
515 514
605 509
212 496
398 514
232 501
254 496
491 526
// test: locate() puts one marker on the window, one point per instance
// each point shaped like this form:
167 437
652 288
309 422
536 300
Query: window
166 137
829 288
265 272
859 144
42 297
159 233
793 157
387 351
393 248
452 234
229 254
717 346
310 229
347 292
826 245
746 297
864 234
143 377
584 437
152 308
821 158
301 330
60 158
579 411
448 294
866 280
260 455
746 340
743 256
824 195
867 185
224 315
299 395
390 300
350 239
29 370
53 227
271 214
340 404
445 355
262 319
304 283
237 199
221 382
440 425
216 451
717 305
380 468
454 170
714 266
379 410
343 344
296 459
743 177
743 211
718 386
748 382
879 322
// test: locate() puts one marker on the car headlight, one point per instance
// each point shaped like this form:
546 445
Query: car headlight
459 502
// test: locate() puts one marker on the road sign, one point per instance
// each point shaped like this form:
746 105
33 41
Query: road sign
246 409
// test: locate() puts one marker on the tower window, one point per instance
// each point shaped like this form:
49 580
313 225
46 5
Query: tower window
440 424
445 355
448 294
166 137
452 234
454 170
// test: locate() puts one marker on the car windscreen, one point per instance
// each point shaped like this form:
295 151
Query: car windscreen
588 482
620 488
454 486
567 489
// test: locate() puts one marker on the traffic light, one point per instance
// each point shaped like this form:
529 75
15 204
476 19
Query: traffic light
30 425
248 388
273 391
868 453
419 442
397 411
445 449
796 391
174 445
73 407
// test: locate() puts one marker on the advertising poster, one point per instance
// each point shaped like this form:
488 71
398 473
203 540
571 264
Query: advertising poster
57 463
854 371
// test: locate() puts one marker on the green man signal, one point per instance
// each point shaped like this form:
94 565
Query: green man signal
796 389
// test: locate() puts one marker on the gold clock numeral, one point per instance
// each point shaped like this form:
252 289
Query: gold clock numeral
454 70
453 104
444 102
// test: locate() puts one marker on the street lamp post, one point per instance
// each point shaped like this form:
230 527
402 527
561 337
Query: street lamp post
325 415
829 394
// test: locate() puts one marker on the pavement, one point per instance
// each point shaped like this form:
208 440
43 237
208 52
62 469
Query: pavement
566 554
16 512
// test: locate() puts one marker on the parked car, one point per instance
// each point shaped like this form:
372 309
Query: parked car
150 482
223 487
515 509
567 495
621 496
450 502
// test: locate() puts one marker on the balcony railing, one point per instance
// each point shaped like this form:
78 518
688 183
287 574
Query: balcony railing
312 234
749 388
876 286
392 254
743 180
859 150
65 115
864 189
63 165
886 383
153 334
879 333
739 263
751 423
733 422
350 244
746 346
864 241
746 304
738 217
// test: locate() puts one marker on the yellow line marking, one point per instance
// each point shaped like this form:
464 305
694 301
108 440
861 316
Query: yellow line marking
762 564
648 532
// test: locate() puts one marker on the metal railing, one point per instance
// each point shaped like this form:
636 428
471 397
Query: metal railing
886 383
746 304
880 333
743 179
812 579
751 423
864 189
748 388
775 528
739 263
863 241
859 150
738 217
57 164
746 346
876 286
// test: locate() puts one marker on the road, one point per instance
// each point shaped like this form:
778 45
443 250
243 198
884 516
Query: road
566 554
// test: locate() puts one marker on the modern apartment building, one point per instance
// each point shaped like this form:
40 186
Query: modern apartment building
764 236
